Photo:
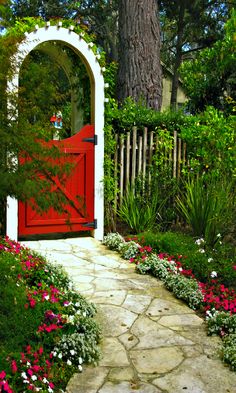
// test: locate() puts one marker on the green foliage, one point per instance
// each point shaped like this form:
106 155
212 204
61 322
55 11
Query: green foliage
172 243
210 139
15 320
209 79
229 350
207 207
184 288
221 323
138 209
195 254
25 276
128 249
224 325
113 241
131 113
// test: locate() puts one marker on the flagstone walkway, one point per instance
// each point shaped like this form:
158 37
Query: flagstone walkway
152 342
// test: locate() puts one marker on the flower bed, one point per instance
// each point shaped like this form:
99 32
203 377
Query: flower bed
47 331
213 298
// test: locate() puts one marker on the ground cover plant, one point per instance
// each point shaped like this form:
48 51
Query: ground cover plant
211 297
47 331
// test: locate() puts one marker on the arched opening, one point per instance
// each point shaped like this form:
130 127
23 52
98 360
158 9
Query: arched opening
59 42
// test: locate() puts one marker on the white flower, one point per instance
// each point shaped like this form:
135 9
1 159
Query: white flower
46 297
201 250
24 375
72 351
172 262
54 353
60 355
80 360
69 362
71 319
213 274
84 314
25 381
218 235
34 378
28 364
200 241
50 390
45 380
180 269
80 367
210 259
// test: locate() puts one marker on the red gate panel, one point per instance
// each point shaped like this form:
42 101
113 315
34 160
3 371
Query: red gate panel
78 190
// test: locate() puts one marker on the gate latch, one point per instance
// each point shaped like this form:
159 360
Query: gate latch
93 139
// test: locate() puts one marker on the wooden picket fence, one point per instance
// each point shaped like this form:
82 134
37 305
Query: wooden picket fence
134 153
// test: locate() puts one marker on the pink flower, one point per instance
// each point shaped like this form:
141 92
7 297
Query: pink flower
14 366
234 267
2 374
6 387
40 350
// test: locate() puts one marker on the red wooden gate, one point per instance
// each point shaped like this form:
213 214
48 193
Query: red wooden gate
78 190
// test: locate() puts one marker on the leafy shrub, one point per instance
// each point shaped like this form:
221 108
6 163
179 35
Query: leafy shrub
172 243
229 350
221 323
113 240
202 260
128 249
184 288
37 308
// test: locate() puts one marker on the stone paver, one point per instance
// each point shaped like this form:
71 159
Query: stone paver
152 342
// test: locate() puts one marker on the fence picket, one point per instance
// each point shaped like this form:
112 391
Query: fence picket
121 166
134 154
134 143
127 176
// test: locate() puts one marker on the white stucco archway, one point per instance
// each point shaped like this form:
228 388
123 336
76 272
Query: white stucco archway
83 49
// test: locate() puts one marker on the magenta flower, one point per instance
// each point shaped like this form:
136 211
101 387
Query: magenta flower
2 374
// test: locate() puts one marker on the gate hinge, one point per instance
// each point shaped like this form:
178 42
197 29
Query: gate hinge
93 139
92 224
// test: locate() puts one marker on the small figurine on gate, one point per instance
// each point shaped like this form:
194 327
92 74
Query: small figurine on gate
58 122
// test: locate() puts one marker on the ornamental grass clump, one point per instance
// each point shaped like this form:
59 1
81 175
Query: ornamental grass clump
208 207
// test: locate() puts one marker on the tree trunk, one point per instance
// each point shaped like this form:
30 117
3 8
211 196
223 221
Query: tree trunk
139 73
178 56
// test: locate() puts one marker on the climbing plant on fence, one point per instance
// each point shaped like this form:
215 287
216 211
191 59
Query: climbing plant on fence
209 138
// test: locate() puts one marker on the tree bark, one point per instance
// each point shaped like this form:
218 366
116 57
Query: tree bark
178 56
139 75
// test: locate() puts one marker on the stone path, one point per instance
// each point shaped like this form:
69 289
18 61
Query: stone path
153 343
